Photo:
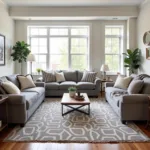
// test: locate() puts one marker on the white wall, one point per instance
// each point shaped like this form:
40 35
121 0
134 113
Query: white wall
143 26
6 29
132 33
96 37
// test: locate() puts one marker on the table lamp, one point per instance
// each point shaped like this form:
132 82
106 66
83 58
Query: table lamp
104 68
31 58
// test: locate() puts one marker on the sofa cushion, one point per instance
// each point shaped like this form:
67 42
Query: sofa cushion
115 91
13 79
79 75
116 99
115 94
31 98
146 86
52 86
70 76
135 86
39 90
85 86
65 85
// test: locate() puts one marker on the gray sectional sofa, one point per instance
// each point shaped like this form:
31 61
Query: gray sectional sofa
73 78
21 107
130 106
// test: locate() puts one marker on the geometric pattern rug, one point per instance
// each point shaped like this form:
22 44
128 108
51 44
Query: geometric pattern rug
103 125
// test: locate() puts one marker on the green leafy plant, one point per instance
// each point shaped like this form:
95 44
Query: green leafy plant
132 59
38 70
72 89
20 52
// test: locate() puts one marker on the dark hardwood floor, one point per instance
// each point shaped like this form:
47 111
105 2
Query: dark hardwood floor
73 146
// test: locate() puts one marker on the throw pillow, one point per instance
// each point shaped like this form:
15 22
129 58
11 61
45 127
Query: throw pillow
135 86
10 87
60 77
89 76
25 81
48 76
122 82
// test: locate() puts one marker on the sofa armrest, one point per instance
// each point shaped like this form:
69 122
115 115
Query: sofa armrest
97 83
15 99
40 84
39 79
135 98
109 84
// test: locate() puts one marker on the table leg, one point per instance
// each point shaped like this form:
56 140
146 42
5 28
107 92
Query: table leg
62 109
101 89
89 109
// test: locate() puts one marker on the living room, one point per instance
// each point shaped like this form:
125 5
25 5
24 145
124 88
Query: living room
80 37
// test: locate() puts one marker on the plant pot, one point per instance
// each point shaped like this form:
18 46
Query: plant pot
72 93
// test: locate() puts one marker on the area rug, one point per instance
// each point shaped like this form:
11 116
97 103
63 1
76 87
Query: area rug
103 125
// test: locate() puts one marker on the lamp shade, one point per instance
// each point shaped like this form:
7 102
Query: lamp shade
31 57
104 67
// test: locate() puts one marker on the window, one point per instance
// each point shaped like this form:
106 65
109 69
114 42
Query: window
59 47
113 47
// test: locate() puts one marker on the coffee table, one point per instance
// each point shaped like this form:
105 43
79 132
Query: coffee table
70 102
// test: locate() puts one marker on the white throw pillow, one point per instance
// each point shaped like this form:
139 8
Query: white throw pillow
10 87
60 77
122 82
26 82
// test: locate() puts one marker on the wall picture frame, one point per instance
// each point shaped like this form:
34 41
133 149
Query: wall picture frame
2 50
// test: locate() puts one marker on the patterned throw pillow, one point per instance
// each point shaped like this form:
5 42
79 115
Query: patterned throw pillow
48 76
89 76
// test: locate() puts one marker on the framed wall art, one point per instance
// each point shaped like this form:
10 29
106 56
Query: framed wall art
2 50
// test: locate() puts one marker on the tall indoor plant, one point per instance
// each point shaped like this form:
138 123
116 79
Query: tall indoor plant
20 52
132 60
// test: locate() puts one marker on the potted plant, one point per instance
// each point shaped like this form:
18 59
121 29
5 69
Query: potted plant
20 52
72 91
132 60
38 70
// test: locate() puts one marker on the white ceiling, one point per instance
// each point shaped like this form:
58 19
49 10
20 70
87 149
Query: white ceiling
72 2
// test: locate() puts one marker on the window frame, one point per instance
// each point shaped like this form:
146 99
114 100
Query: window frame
69 36
121 45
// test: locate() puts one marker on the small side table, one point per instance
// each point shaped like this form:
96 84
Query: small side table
3 100
104 81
